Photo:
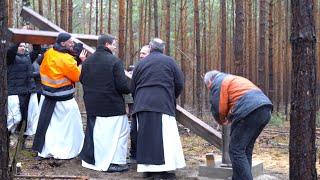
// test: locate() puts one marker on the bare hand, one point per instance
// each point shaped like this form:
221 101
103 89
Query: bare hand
83 55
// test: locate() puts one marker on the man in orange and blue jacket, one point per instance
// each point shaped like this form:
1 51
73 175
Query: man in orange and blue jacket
238 101
59 133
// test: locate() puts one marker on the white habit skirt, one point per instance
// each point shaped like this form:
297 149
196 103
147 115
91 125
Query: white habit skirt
110 139
14 114
173 153
33 115
64 137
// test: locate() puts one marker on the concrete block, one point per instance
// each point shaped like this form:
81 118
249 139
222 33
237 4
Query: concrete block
221 172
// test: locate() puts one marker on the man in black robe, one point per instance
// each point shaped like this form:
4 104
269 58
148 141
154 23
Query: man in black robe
104 82
156 83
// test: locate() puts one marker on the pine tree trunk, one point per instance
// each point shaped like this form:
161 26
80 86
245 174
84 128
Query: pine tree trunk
270 44
49 10
141 20
204 52
126 54
4 140
262 45
255 43
149 20
145 29
109 17
56 12
287 57
131 39
167 27
249 41
10 13
40 7
101 16
223 34
210 43
121 28
198 58
182 46
70 16
155 13
84 16
90 16
176 31
63 14
238 43
97 17
302 149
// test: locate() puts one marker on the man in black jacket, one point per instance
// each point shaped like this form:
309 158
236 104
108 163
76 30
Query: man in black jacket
104 82
22 102
157 82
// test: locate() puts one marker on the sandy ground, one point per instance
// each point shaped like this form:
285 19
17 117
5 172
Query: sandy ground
272 150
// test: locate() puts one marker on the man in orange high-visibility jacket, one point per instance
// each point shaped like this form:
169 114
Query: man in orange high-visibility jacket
59 133
238 101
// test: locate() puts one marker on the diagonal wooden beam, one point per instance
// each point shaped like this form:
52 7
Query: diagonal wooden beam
199 127
183 116
46 37
44 24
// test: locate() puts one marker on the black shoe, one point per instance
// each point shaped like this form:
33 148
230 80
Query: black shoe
39 158
117 168
147 174
131 161
163 175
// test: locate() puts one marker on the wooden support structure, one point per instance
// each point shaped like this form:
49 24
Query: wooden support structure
183 116
44 24
46 37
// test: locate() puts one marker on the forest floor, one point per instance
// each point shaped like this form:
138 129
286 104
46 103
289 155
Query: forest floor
271 148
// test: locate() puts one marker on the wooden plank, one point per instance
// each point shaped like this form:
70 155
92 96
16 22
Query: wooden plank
44 24
199 127
32 36
183 116
46 37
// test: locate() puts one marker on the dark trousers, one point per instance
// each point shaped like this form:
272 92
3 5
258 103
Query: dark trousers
133 133
24 103
243 136
133 137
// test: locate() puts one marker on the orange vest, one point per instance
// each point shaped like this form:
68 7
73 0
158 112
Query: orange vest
59 72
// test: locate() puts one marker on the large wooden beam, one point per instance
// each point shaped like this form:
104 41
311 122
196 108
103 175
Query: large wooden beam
44 24
199 127
183 116
46 37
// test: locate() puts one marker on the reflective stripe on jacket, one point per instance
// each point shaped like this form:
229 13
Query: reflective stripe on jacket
234 97
58 73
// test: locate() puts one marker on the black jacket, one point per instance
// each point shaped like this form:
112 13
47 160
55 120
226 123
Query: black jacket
104 82
20 74
156 83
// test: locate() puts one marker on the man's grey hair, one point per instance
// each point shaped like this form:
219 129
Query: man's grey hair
145 46
209 76
105 38
157 44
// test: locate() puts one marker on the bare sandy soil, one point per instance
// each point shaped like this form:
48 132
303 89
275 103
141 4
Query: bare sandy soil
271 148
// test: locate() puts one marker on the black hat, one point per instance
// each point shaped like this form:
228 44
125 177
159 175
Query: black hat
62 37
